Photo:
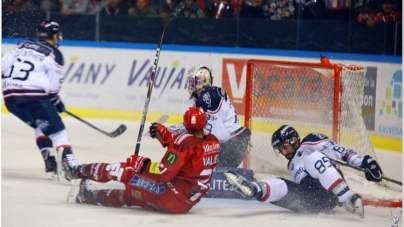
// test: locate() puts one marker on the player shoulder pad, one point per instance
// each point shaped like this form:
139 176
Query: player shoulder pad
211 98
314 137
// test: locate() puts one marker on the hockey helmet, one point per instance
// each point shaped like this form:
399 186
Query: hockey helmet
199 77
194 119
47 29
283 135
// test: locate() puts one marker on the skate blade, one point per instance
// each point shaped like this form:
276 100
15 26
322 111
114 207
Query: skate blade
52 175
60 171
236 183
74 191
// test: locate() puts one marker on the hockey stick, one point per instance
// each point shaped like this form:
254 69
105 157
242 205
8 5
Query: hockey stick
171 17
121 129
364 170
161 121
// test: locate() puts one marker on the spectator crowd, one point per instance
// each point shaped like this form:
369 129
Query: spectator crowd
367 12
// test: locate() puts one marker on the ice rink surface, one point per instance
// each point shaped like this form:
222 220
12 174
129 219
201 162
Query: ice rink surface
30 199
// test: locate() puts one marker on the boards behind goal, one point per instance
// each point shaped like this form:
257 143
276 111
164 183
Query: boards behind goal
311 97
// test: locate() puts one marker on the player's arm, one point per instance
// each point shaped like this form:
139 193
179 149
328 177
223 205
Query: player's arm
7 61
55 76
374 171
170 165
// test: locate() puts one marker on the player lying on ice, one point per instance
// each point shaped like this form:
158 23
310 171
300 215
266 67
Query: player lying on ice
173 185
318 186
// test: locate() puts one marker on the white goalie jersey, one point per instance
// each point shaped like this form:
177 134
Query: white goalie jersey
319 142
33 70
222 117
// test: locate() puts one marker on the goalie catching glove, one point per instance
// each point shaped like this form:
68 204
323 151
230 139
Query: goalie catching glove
160 132
136 163
373 170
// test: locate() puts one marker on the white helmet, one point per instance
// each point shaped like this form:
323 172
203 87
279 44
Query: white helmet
199 77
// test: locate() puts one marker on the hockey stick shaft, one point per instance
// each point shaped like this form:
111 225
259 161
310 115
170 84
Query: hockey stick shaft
174 14
121 129
364 170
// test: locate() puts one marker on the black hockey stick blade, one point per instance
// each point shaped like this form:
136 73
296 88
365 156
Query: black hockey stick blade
121 129
161 121
364 170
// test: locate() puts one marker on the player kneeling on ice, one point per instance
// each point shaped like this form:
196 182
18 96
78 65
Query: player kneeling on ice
318 185
222 117
173 185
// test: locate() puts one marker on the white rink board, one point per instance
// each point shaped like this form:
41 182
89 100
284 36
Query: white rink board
117 79
29 199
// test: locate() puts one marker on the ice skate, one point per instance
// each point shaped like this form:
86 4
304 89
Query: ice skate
85 194
70 167
50 164
354 205
240 184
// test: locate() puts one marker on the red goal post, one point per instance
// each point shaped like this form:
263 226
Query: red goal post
311 97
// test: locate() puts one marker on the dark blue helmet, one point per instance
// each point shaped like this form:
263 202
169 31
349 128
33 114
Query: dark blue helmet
283 135
47 29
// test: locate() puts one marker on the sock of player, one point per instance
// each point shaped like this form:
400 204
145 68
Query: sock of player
44 143
97 172
273 189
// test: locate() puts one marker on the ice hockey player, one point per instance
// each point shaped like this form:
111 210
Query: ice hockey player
32 77
173 185
222 117
318 185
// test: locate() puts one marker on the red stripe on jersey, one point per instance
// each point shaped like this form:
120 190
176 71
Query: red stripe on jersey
18 95
41 137
313 143
334 184
268 194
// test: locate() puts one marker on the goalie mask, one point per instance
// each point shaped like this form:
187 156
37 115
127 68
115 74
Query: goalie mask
284 134
199 77
195 119
47 29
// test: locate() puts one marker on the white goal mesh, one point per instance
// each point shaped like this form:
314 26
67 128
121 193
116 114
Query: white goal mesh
303 95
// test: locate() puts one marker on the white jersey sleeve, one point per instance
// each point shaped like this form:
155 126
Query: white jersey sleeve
319 142
222 117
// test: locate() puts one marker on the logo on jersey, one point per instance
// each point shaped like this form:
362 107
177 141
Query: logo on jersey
291 167
298 172
137 194
148 185
206 98
171 158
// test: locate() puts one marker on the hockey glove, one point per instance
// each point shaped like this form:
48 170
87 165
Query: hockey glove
374 172
59 105
160 132
137 163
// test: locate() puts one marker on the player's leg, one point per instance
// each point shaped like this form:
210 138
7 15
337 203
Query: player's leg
321 168
43 142
47 119
284 193
45 145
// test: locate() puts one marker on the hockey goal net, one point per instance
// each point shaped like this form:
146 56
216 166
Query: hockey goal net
311 97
